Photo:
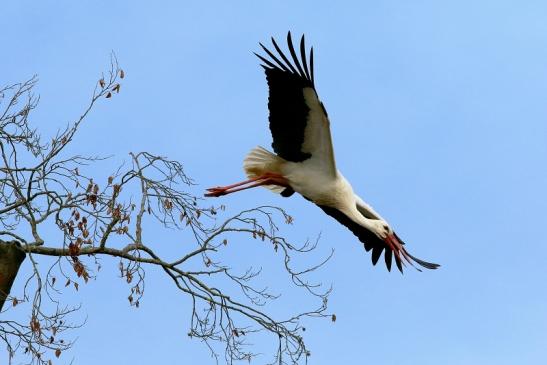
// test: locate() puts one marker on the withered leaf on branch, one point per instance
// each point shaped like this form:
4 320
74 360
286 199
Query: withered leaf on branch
122 74
35 325
116 88
73 249
109 95
117 188
57 353
101 82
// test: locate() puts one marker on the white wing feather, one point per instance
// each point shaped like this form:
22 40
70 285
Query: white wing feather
317 137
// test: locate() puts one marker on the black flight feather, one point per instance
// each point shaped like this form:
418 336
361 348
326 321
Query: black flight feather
303 56
369 239
294 56
311 67
387 258
280 52
268 63
288 108
376 253
281 64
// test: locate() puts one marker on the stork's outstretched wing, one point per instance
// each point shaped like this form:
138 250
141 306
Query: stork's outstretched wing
298 120
372 242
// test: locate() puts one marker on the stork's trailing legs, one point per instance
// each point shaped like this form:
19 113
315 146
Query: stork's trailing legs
267 178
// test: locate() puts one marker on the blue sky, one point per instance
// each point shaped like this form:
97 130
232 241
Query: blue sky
439 119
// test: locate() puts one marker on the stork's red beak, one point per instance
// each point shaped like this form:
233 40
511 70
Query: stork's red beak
396 245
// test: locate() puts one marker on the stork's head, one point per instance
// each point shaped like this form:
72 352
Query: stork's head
381 229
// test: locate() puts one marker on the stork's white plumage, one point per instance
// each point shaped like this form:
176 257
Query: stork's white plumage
304 159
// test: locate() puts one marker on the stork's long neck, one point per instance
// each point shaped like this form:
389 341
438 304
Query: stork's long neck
366 209
357 217
355 208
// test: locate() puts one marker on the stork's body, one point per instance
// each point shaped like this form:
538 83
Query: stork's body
304 159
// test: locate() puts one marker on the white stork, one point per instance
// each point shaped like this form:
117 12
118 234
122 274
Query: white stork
304 160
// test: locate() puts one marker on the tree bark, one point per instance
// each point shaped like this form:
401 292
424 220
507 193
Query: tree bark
11 258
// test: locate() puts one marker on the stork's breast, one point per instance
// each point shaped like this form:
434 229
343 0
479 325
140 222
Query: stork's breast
313 183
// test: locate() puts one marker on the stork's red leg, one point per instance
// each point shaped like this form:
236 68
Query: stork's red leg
267 178
236 184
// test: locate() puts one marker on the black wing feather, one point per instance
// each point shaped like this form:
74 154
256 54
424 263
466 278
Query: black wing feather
371 241
281 64
303 55
387 258
286 102
376 253
311 67
280 52
267 63
368 238
294 56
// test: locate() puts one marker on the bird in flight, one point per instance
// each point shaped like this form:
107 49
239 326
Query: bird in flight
304 159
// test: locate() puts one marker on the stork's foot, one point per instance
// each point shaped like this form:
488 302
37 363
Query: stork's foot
216 192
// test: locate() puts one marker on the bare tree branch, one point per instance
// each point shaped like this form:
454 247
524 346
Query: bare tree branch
40 186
